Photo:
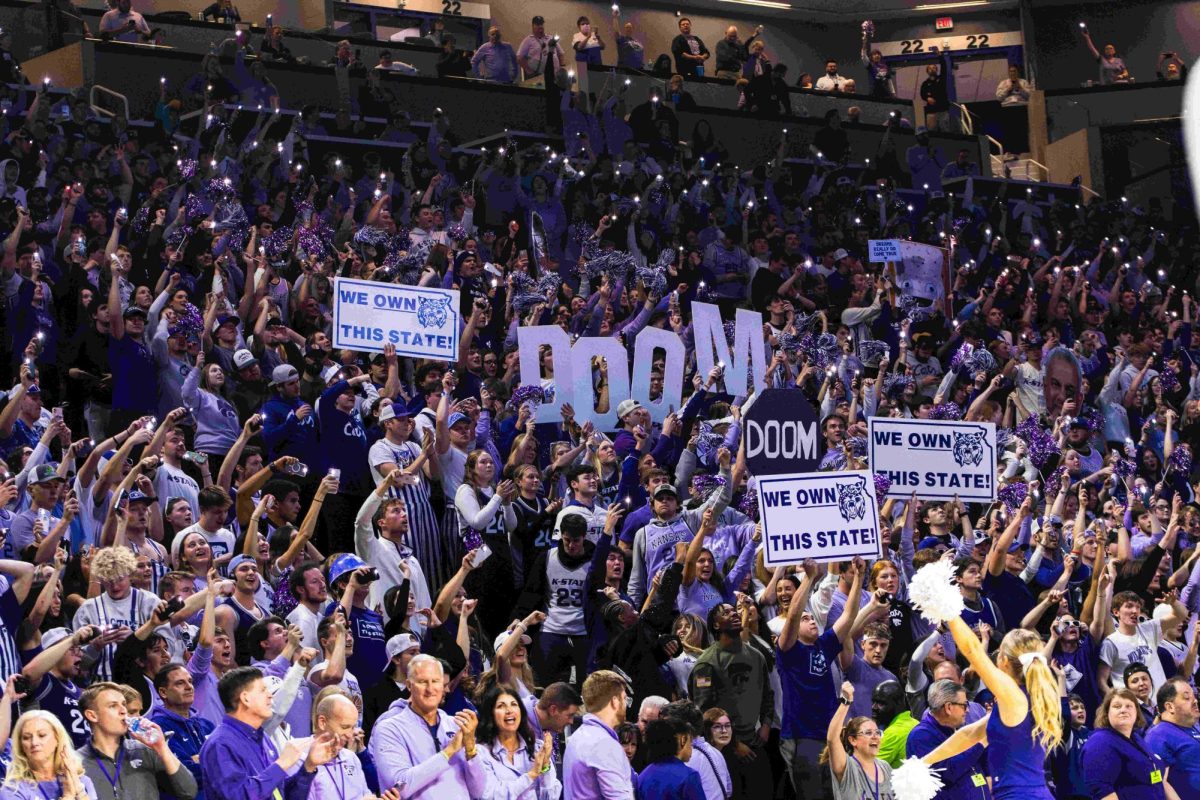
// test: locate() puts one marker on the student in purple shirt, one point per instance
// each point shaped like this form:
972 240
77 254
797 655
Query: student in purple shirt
595 766
239 761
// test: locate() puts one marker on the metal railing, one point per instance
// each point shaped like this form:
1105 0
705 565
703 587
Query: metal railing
124 101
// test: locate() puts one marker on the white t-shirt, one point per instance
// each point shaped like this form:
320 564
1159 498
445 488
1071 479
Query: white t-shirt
307 622
1120 650
221 541
171 482
1028 380
349 685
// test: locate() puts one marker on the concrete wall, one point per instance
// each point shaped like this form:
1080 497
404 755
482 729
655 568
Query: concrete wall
1139 29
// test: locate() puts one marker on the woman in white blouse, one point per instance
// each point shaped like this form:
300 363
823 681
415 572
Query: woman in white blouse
518 766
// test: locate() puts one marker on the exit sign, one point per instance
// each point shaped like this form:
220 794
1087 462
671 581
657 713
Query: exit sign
943 23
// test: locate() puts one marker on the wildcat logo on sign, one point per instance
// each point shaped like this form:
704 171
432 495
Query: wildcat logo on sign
968 449
825 516
850 500
432 313
937 459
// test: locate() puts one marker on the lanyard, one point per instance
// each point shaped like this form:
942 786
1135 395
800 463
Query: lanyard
860 766
48 797
113 779
339 785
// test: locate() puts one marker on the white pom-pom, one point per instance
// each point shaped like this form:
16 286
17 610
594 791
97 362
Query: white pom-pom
915 780
932 590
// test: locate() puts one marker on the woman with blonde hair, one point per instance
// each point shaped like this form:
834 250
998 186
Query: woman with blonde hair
1026 720
852 753
43 762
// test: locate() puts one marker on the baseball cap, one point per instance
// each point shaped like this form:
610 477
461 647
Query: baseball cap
275 322
840 253
627 407
33 389
244 358
134 311
239 560
44 473
224 318
922 130
664 488
54 636
1015 546
330 373
538 20
400 643
283 373
138 496
502 637
456 418
394 411
344 564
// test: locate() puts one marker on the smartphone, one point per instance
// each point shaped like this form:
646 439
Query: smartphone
482 554
196 458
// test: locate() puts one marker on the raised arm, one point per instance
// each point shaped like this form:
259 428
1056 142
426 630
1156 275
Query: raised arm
833 735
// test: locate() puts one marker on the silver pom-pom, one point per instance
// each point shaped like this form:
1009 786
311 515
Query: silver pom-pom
933 590
915 780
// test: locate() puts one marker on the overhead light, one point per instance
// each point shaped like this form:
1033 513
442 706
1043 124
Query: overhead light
943 6
762 4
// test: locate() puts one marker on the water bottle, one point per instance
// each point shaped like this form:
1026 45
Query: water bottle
139 726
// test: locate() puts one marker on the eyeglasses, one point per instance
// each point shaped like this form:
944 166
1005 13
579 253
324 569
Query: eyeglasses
964 705
719 726
871 734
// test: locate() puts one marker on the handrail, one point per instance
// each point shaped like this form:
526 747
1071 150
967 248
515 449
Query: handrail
1089 191
967 120
1043 167
104 111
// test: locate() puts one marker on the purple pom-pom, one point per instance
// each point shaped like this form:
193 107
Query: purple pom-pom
882 484
1168 380
946 411
472 539
961 355
190 323
1181 459
703 484
1012 495
195 208
895 384
868 27
187 168
1093 419
277 246
456 233
141 221
1042 446
1125 467
748 504
527 394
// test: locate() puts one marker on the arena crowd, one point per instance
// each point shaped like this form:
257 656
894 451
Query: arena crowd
240 562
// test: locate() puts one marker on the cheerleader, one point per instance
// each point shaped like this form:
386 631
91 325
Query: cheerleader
1026 720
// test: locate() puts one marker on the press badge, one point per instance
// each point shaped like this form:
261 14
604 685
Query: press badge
978 780
1155 776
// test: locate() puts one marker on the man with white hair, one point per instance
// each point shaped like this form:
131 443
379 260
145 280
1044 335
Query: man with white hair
422 747
649 710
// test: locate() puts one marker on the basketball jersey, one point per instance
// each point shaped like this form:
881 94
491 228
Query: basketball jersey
564 608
